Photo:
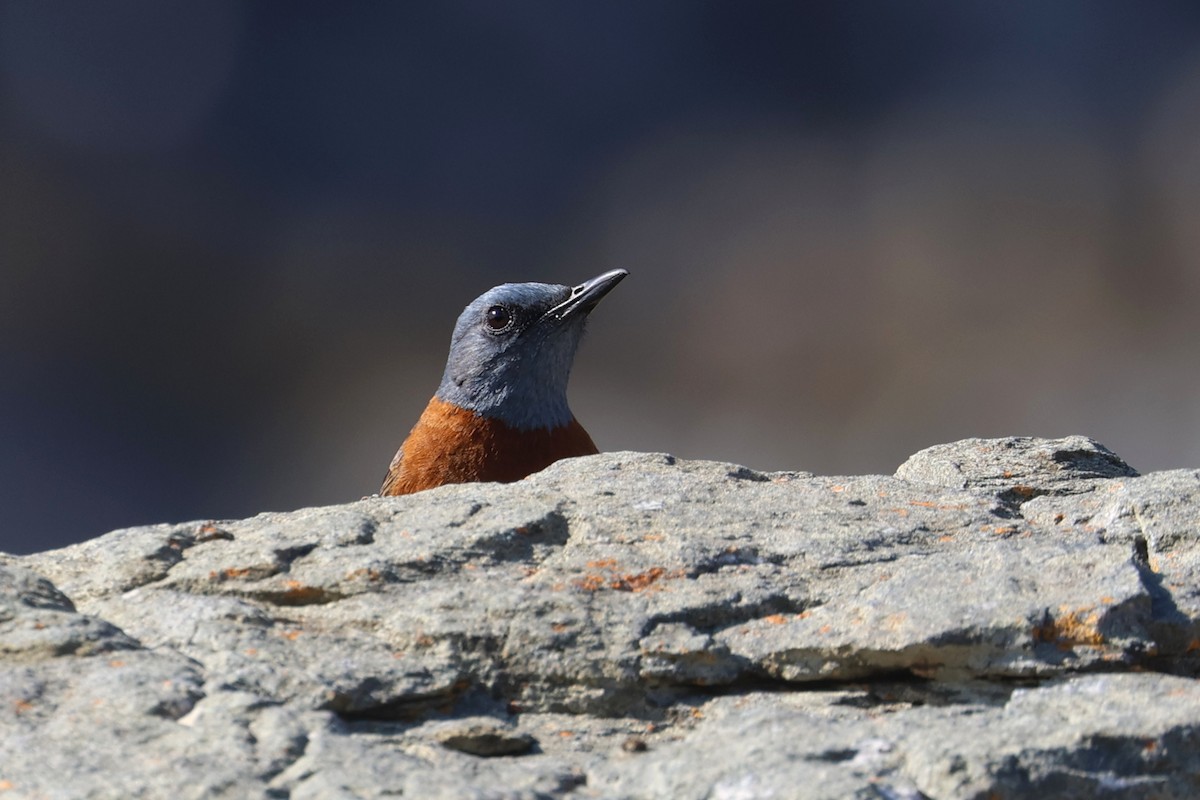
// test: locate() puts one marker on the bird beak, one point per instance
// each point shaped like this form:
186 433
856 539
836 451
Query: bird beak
586 295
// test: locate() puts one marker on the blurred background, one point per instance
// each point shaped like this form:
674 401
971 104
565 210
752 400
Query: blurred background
234 237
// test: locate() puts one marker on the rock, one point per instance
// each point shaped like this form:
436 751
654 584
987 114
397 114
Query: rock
1088 736
1017 468
1004 618
482 736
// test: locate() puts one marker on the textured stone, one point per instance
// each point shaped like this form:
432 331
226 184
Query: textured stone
1017 468
1121 736
1000 618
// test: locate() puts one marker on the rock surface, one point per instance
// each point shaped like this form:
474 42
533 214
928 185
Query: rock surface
1002 619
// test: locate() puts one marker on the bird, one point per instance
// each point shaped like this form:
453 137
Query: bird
500 412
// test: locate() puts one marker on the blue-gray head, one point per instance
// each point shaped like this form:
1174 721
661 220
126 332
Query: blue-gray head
512 349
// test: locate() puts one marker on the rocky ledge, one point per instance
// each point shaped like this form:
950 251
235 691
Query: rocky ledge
1004 618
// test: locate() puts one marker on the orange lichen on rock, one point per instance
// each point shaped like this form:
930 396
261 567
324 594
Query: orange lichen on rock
635 582
1072 628
298 594
231 572
638 582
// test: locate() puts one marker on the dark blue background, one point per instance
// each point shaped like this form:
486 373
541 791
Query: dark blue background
234 237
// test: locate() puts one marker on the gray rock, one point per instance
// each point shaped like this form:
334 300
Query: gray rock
1017 468
1125 736
1002 618
482 736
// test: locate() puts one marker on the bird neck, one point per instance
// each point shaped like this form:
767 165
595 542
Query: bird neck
523 405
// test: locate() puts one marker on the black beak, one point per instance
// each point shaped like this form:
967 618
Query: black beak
586 295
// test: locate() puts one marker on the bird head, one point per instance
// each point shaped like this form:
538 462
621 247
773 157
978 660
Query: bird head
512 350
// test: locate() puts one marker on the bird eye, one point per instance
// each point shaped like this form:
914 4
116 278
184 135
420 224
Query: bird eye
498 319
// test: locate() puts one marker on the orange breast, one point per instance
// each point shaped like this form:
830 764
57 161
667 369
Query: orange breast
452 445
